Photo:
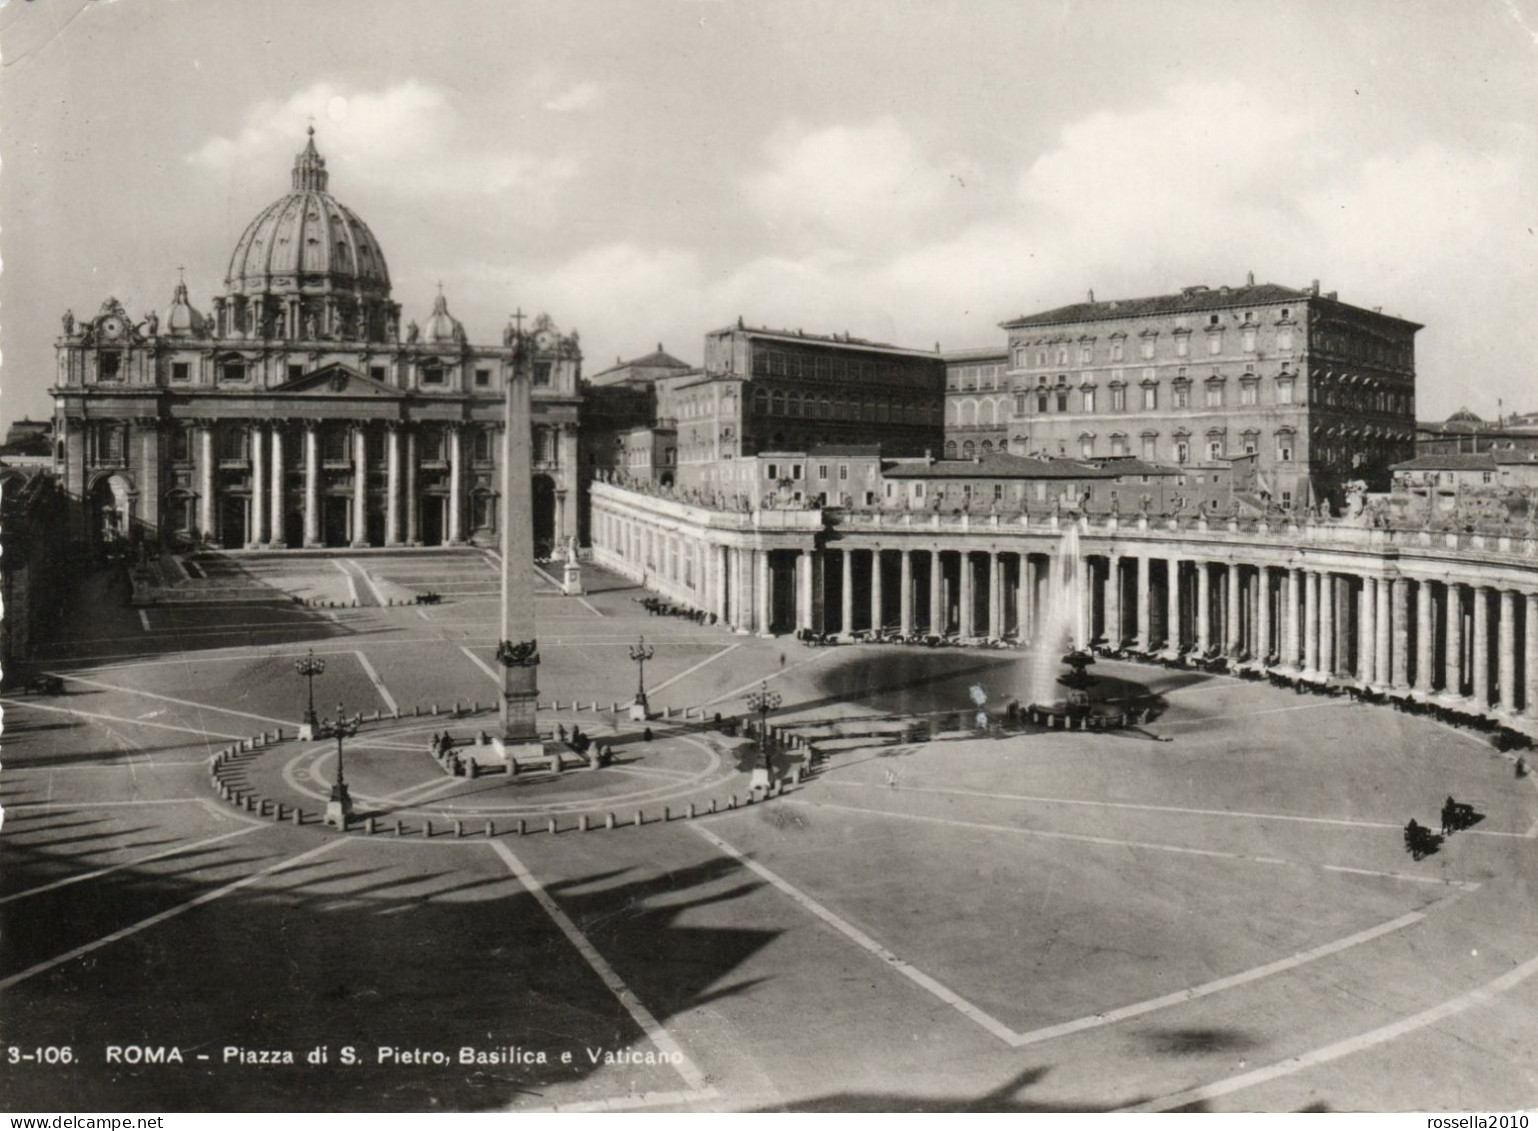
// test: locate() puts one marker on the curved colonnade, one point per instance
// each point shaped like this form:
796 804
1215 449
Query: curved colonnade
1444 617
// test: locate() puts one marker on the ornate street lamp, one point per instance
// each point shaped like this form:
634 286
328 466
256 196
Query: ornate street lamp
309 667
339 807
640 653
763 701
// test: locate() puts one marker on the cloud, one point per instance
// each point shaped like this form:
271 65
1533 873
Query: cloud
582 96
407 140
859 185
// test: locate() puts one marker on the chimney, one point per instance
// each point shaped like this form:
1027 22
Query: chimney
929 457
1091 294
1314 289
1249 279
659 348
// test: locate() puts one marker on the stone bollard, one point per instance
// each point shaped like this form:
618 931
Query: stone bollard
416 710
732 804
475 707
795 775
667 712
298 816
584 822
459 829
593 707
613 707
667 814
640 818
395 712
371 826
523 827
712 804
691 810
551 826
397 827
491 829
435 710
427 830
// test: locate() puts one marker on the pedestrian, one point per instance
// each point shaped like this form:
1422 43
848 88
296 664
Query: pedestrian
647 734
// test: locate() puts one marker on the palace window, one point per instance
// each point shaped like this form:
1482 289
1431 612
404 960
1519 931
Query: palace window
1284 336
1019 404
295 372
1182 395
1086 354
333 443
1086 447
1248 392
233 442
432 374
1215 342
374 445
1041 402
1182 346
1249 339
1214 394
843 472
181 445
1284 391
1089 400
1118 445
1062 401
541 374
1214 449
1150 447
109 366
377 373
232 371
1118 398
1284 447
1148 349
1150 397
1182 451
109 443
482 378
181 371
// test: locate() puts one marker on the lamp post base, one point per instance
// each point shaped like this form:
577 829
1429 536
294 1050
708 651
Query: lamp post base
339 807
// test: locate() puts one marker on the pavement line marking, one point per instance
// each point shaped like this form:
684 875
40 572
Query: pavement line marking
423 614
144 619
583 601
1130 805
690 671
352 582
660 1037
482 664
822 653
172 699
368 670
115 719
369 581
1480 995
135 862
1250 714
71 805
1087 838
169 913
1179 997
861 939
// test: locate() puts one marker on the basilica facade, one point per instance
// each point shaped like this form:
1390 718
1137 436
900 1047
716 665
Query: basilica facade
300 411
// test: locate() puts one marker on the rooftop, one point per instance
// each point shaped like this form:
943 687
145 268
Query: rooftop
995 465
843 341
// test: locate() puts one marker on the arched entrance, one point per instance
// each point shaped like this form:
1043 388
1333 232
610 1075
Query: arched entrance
544 516
111 514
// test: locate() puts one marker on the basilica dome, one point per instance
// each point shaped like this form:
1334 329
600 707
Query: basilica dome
308 242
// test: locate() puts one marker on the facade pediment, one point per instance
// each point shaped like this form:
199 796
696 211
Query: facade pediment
337 380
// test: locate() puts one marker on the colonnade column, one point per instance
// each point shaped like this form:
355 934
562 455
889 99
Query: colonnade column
763 580
1481 658
1452 641
1172 635
1232 645
1290 622
275 537
803 587
1425 643
1263 615
1399 596
1025 591
936 602
257 533
206 480
905 592
1310 580
967 598
1203 606
1506 649
995 597
456 485
312 483
1113 634
1084 624
1326 625
1144 604
1383 623
1367 633
1530 659
360 486
875 591
846 593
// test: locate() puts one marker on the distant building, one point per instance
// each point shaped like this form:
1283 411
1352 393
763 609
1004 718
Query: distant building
977 401
640 372
1321 392
1464 432
33 568
1492 469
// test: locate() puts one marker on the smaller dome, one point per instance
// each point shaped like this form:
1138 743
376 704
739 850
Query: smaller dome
182 319
441 325
1464 416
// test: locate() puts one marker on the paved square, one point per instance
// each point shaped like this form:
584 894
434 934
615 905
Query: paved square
1225 920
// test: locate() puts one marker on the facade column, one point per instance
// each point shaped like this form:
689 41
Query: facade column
905 594
1203 606
1506 647
1383 622
763 583
995 597
1452 641
1399 596
393 485
1172 627
312 483
1326 625
257 534
1113 634
846 593
1084 626
456 485
1367 633
1425 639
1263 615
1144 599
936 597
205 481
967 599
1481 656
1233 645
413 503
1530 658
359 486
875 592
277 507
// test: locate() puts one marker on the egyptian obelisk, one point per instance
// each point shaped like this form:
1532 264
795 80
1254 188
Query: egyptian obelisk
520 684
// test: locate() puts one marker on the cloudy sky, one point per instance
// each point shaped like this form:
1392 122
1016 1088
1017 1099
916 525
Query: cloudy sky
909 171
